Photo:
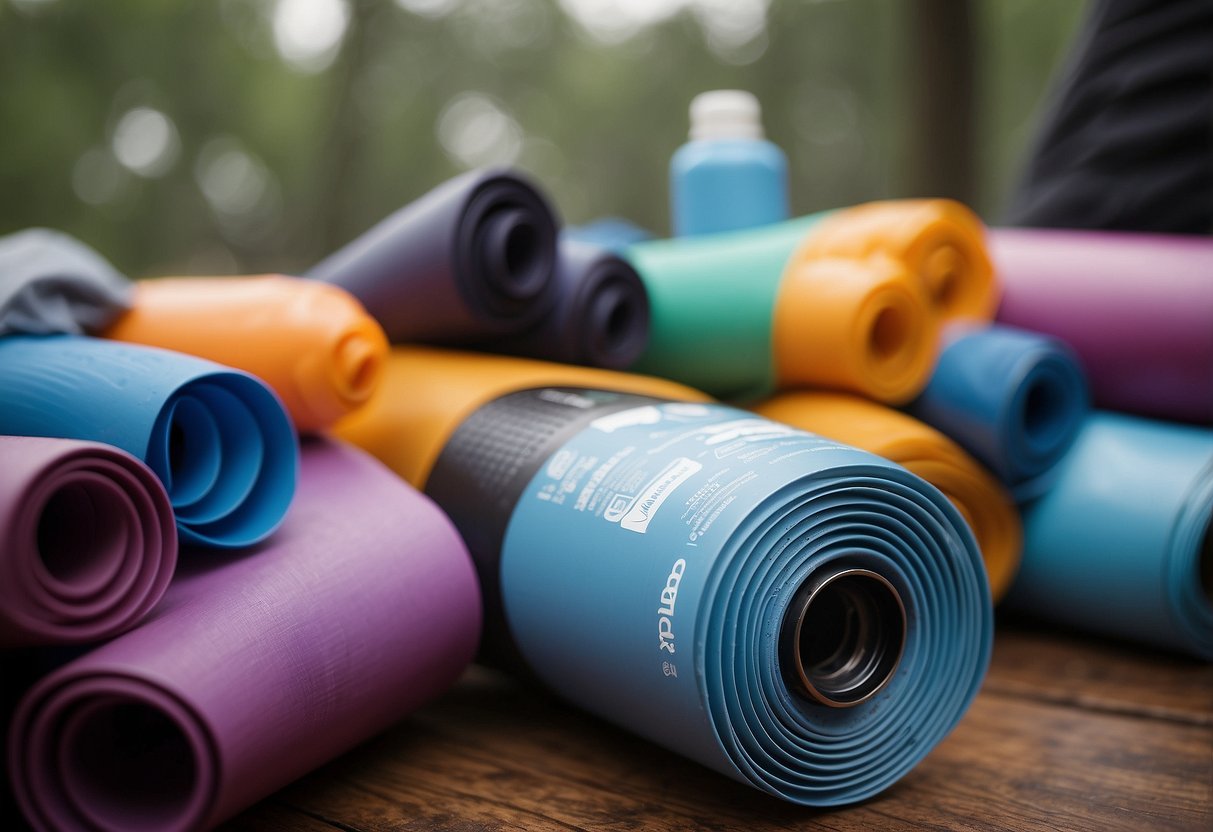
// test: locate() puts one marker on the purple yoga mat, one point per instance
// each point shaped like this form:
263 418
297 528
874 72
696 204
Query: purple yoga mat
1137 308
257 666
87 541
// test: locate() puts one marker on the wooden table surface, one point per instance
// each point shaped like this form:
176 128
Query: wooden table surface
1067 733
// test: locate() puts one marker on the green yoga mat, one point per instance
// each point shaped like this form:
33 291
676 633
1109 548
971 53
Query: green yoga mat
712 300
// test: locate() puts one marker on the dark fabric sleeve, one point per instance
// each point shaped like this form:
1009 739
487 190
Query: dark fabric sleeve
1126 142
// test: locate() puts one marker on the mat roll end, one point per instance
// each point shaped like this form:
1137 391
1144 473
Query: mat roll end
89 541
862 325
939 240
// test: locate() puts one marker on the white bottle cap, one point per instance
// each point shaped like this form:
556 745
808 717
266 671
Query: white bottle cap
726 114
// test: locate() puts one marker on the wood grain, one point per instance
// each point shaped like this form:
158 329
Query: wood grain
1066 734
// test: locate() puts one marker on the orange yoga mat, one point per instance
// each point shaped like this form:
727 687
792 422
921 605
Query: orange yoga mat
865 326
940 240
427 392
313 343
984 503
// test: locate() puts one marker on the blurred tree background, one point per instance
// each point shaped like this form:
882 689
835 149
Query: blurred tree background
244 136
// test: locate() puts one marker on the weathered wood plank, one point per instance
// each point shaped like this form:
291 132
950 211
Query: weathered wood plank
496 755
1099 674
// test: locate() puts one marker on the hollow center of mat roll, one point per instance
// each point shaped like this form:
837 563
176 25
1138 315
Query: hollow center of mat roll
618 325
358 365
129 766
512 254
194 451
888 334
943 274
843 636
81 533
1044 411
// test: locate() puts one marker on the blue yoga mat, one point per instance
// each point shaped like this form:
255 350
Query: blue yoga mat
1012 398
1121 544
217 438
731 588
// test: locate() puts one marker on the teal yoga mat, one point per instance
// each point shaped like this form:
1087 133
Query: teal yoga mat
1014 399
217 438
1121 544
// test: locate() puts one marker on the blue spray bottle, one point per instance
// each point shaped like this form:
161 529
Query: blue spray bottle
728 176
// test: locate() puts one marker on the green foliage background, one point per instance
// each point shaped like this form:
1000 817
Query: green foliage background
339 149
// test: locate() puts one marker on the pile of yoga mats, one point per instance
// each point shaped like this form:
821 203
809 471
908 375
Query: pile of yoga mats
922 450
1136 308
1014 399
473 258
799 615
257 666
87 541
742 314
849 299
51 282
217 438
312 343
1121 543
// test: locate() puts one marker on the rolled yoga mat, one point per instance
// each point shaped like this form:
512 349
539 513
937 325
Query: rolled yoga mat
51 282
1014 399
614 233
1136 308
313 343
218 439
744 313
801 616
600 318
982 501
1121 544
939 240
473 258
87 541
257 667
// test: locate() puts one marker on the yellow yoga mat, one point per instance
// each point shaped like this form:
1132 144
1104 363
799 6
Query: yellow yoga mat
427 392
312 343
865 326
984 503
940 240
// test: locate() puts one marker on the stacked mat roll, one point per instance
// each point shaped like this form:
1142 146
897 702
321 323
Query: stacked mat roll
1121 544
799 615
1012 398
257 667
472 259
600 317
981 500
87 541
1136 308
741 314
939 240
51 282
218 439
312 343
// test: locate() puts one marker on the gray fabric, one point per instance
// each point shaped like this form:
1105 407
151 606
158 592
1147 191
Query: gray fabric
51 282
